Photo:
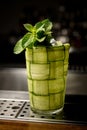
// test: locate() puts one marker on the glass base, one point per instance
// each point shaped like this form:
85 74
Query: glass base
49 112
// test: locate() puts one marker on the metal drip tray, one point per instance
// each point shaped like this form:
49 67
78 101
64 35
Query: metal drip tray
10 108
20 110
17 107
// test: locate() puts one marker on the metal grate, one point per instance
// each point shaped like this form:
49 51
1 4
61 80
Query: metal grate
10 108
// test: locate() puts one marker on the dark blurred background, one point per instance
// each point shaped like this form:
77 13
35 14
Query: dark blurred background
69 19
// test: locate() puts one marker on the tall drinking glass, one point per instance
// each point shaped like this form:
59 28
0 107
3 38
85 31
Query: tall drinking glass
47 69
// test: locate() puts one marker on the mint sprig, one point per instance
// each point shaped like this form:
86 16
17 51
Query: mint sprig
38 33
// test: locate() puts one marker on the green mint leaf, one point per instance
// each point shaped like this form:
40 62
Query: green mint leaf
18 47
40 29
48 33
28 40
39 25
36 35
28 27
41 39
48 25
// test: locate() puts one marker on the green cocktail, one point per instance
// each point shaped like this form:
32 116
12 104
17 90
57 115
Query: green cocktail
47 69
47 66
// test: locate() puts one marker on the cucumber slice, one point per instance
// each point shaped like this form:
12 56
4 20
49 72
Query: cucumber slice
56 53
28 69
67 46
40 87
39 55
31 99
41 102
65 68
57 85
28 54
39 71
30 85
56 69
56 100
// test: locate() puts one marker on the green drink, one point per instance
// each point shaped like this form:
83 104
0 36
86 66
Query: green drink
46 65
47 72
